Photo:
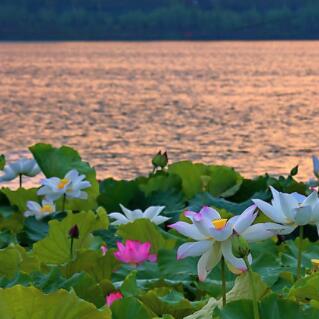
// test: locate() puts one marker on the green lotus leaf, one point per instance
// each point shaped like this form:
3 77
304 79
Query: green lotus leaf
145 231
29 302
242 288
82 283
56 162
206 312
249 187
271 306
172 200
19 279
55 248
190 175
130 307
267 262
7 238
20 197
10 219
13 224
94 263
176 270
161 182
113 193
35 230
10 260
289 253
224 181
206 199
129 286
14 259
306 289
168 301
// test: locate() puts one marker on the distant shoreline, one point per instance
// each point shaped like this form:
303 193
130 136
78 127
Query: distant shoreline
268 39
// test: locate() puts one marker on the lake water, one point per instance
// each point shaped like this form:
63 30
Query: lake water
250 105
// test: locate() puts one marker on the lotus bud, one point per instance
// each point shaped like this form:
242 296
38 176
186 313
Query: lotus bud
2 161
74 232
160 160
240 246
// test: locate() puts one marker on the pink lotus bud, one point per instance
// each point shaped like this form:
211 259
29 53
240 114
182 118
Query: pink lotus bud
134 252
74 232
103 249
112 297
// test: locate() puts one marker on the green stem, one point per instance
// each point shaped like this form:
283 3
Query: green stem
20 180
63 203
71 248
301 231
223 280
253 289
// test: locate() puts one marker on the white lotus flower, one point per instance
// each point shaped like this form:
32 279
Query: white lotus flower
291 210
213 237
315 162
39 211
71 186
23 166
152 213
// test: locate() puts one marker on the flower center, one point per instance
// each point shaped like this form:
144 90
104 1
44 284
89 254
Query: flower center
219 223
62 183
315 262
46 209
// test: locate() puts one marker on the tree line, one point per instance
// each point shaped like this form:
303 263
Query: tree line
158 19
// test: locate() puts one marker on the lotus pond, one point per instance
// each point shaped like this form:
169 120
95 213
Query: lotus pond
188 241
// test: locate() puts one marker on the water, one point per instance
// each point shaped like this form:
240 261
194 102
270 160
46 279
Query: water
250 105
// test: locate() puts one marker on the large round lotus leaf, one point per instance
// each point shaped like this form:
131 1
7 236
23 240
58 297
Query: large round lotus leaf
55 248
30 303
191 175
20 197
224 181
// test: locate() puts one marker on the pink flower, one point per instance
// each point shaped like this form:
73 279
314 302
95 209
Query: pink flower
103 249
134 252
112 297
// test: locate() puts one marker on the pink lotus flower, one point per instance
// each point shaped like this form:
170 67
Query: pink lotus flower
112 297
134 252
103 249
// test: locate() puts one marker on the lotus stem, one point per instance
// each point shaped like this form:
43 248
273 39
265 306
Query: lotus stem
20 180
63 203
301 234
223 280
71 248
253 289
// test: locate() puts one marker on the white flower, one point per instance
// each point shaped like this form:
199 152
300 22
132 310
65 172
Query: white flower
213 237
39 211
152 213
71 186
23 166
315 162
291 210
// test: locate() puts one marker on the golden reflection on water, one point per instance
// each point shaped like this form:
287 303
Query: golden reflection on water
250 105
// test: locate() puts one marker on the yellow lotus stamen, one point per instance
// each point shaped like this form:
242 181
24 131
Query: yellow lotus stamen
62 183
46 209
315 263
219 223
